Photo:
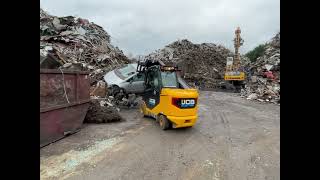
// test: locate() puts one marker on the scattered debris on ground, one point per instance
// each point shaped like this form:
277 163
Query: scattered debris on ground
102 111
263 82
105 107
77 44
201 64
128 100
99 89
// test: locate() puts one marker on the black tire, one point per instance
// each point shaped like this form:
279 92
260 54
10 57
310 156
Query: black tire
164 122
114 90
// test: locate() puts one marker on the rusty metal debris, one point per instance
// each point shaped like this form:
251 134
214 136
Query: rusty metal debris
83 44
201 64
263 82
99 90
75 44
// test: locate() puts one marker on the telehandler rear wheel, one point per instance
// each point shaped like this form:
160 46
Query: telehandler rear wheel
164 122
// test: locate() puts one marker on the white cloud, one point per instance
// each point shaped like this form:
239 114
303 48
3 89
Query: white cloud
142 26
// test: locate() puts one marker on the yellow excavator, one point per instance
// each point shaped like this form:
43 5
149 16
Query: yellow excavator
234 73
166 98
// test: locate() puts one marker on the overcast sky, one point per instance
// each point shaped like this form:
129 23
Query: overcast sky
142 26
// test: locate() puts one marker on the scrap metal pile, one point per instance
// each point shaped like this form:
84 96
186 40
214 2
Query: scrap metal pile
76 43
201 64
263 82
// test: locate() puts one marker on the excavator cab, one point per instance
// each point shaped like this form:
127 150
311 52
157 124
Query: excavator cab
165 99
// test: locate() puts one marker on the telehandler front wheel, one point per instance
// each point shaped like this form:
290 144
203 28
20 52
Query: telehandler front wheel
164 122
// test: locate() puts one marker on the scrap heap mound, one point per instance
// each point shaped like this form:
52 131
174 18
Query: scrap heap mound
76 43
201 64
263 81
101 111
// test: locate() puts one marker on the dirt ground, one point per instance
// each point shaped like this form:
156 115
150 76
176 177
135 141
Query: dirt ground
234 139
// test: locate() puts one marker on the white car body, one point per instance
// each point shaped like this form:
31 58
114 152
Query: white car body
126 78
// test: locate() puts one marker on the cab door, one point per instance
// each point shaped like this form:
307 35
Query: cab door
152 88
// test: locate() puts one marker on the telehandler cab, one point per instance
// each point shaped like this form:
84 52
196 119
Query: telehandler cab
164 98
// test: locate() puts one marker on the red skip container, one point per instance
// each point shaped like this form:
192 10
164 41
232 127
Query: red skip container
64 101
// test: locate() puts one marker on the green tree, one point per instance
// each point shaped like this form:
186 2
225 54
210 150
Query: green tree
256 52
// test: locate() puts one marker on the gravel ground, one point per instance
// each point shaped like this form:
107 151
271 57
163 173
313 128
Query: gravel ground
233 139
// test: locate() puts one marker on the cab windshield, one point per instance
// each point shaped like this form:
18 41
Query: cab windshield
169 79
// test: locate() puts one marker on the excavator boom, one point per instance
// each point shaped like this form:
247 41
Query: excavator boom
234 72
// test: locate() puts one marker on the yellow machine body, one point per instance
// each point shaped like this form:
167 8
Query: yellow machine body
179 117
229 77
